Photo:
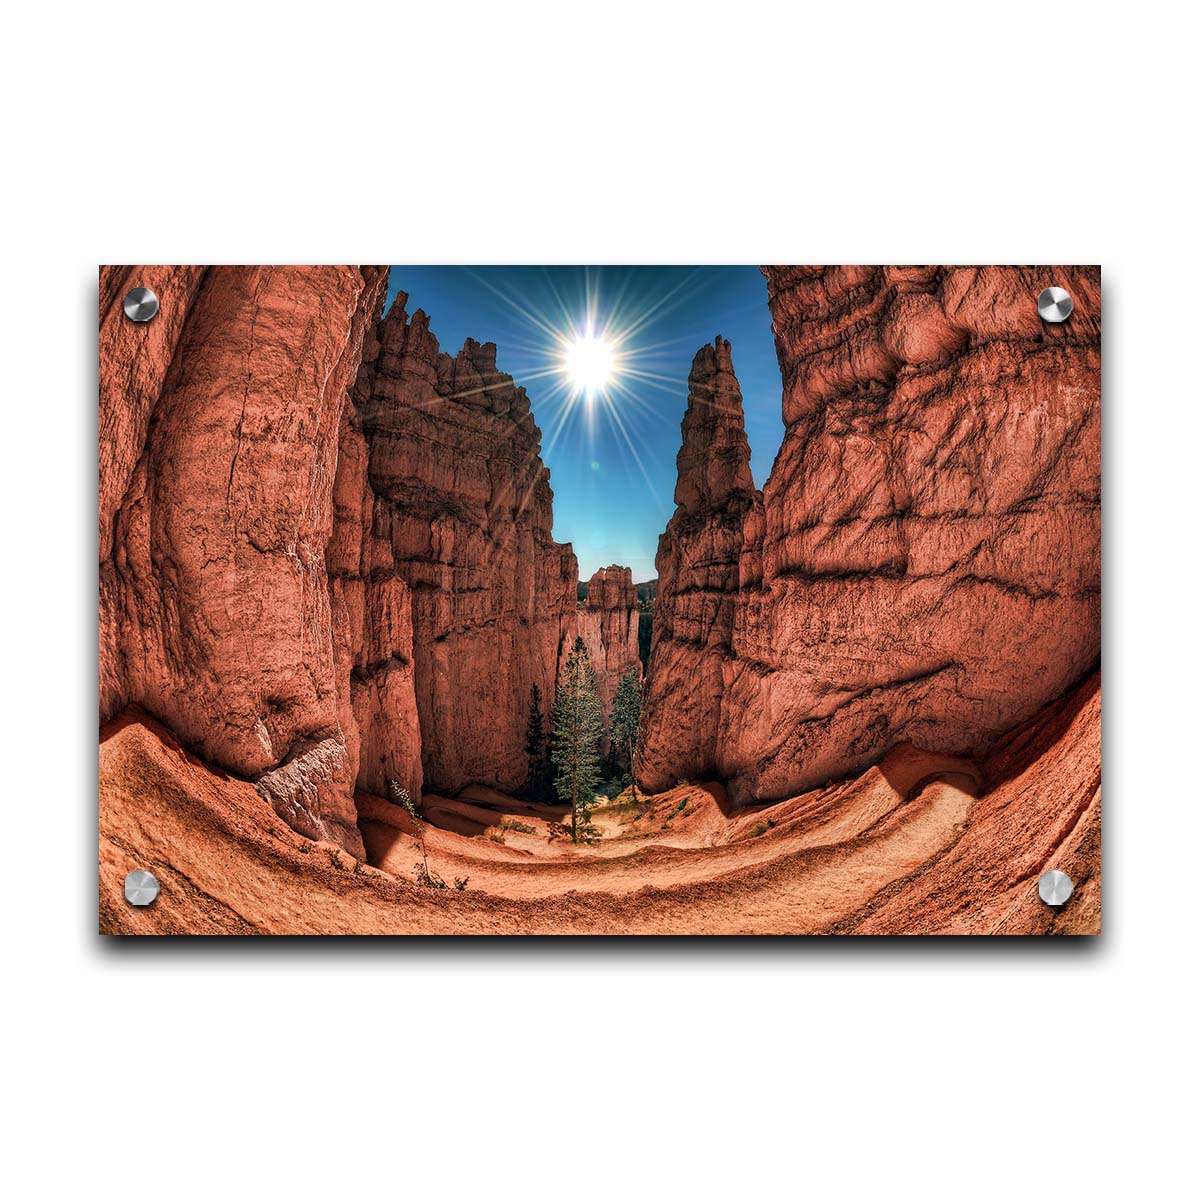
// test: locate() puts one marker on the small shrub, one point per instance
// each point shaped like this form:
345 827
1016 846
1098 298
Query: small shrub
760 829
496 835
588 834
516 826
460 885
427 877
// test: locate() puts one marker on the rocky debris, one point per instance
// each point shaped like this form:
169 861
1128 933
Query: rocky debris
220 423
464 503
924 562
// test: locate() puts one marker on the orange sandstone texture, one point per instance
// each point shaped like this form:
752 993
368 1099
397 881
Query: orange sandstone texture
319 538
919 843
326 562
699 563
220 424
463 502
923 563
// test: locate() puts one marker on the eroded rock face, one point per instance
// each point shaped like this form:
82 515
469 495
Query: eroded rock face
608 624
699 558
924 564
278 591
463 501
220 424
371 613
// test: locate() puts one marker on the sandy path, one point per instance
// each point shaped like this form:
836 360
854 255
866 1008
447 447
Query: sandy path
700 843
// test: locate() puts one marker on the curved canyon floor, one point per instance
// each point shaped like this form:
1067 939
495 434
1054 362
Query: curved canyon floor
918 844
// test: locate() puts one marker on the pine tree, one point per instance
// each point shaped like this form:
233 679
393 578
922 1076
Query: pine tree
578 726
537 749
627 719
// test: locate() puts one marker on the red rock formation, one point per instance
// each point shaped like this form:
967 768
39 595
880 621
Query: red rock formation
464 503
255 591
925 562
371 613
608 624
698 576
220 423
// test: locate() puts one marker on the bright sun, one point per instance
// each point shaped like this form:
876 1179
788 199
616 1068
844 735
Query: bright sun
589 362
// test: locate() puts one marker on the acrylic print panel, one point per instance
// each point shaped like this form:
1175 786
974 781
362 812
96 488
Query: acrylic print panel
804 640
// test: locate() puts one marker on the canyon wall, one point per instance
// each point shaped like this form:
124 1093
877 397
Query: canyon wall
923 563
463 501
221 429
371 611
326 558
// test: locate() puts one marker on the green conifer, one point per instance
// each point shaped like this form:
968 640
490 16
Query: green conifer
537 750
627 719
578 726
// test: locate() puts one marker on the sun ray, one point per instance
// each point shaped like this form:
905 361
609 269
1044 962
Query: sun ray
595 377
517 307
619 425
662 306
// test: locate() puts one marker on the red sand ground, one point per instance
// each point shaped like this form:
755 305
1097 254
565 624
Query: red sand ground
920 843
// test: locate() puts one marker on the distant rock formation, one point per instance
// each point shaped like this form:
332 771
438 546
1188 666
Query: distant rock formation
923 562
609 628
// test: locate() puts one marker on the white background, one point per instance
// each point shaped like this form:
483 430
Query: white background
699 132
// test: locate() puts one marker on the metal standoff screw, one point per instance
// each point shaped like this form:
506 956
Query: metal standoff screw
1055 888
141 304
141 888
1054 305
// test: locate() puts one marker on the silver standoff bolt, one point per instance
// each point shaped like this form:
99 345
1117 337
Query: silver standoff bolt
1055 305
141 888
141 304
1055 888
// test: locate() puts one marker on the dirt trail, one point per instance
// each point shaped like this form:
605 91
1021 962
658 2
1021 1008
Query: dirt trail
851 856
683 836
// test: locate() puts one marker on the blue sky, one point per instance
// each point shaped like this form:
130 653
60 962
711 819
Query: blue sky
611 456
